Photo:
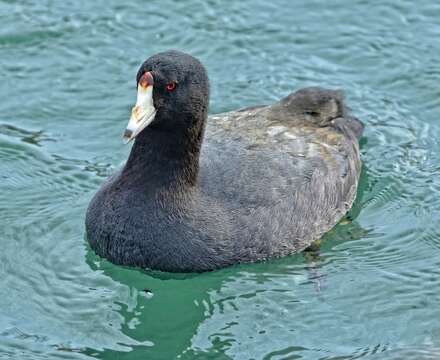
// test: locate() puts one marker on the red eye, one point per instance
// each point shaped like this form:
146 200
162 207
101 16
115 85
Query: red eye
171 86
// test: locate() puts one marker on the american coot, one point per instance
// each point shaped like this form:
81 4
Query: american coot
266 183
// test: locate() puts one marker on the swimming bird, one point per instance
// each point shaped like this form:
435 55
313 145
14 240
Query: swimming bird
200 192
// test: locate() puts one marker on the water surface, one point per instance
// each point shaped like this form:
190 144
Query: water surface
67 71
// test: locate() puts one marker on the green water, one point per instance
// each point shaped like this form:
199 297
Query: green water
67 83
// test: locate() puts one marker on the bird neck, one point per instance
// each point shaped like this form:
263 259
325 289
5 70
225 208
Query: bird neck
166 158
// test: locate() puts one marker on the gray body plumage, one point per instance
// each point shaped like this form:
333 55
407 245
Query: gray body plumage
270 181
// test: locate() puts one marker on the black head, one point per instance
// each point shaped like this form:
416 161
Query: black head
180 94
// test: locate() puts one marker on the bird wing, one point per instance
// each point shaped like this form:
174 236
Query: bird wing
288 171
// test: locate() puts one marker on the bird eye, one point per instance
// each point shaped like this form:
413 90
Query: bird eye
171 86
